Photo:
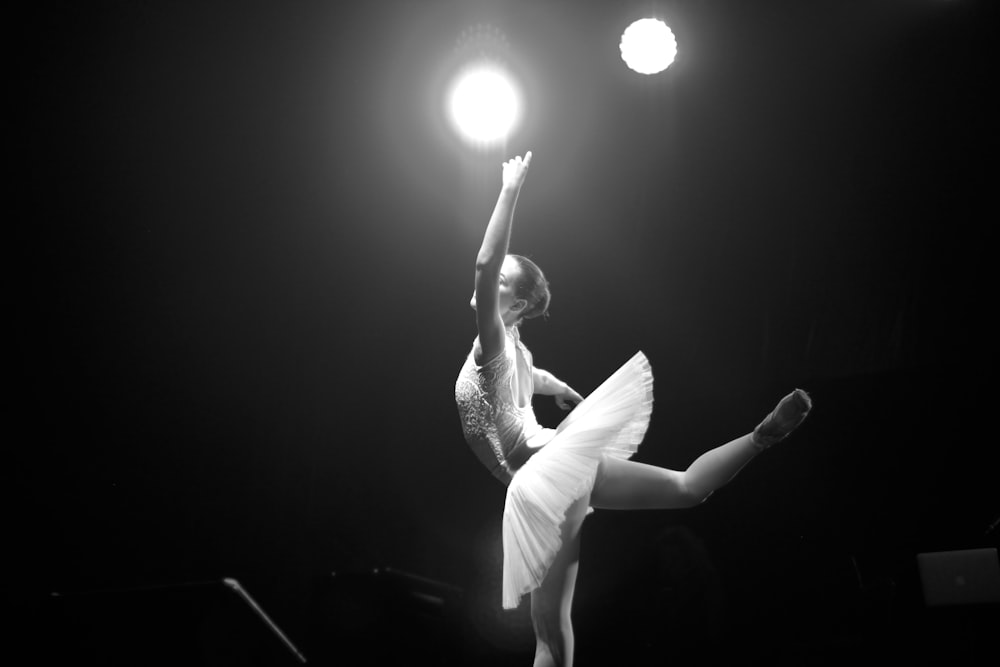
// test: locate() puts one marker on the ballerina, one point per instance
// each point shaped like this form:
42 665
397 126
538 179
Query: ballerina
554 477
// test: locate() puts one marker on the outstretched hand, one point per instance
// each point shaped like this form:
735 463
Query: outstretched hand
515 170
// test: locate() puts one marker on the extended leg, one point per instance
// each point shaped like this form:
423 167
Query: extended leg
631 485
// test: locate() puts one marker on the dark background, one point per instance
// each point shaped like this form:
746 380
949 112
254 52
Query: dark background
243 238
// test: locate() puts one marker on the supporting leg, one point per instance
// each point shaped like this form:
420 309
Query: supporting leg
551 603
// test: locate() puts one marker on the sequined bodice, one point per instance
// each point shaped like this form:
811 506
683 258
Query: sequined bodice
494 405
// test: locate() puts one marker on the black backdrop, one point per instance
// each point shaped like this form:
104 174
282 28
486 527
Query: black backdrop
241 248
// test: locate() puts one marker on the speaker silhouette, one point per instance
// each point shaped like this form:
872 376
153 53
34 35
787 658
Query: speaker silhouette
198 624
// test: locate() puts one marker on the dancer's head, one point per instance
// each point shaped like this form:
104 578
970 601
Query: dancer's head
524 291
530 286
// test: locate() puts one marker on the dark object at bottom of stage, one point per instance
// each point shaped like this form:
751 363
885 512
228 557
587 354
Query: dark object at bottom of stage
385 616
199 624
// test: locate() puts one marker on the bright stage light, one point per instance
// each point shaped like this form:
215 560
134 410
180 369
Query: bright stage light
648 46
484 104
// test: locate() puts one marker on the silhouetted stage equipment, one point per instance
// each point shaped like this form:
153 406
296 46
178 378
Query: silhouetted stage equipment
386 617
961 606
970 576
199 624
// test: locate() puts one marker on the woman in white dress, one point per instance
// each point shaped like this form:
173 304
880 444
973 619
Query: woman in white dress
554 476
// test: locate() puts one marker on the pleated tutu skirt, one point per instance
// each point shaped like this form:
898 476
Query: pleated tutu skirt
610 422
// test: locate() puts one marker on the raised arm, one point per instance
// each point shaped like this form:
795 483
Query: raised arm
490 259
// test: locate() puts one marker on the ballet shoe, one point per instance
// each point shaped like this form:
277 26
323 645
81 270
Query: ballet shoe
785 418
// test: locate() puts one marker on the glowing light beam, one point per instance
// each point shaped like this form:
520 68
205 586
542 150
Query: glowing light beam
484 104
648 46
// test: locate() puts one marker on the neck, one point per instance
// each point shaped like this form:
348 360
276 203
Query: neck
510 319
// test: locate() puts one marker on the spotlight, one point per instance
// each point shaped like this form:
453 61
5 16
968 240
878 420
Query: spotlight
648 46
484 104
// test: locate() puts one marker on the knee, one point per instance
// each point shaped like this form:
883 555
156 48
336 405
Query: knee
549 618
692 496
552 625
551 651
683 490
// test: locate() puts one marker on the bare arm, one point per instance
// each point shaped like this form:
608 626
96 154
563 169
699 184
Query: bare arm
490 259
548 384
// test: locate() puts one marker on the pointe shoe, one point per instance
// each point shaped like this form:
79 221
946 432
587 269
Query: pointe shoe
785 418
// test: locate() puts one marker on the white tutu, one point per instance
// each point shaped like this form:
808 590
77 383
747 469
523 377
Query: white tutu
610 422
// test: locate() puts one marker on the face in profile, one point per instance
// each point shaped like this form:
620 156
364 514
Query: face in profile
510 274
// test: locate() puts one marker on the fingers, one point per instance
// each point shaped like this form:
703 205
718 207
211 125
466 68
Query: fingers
569 400
525 161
